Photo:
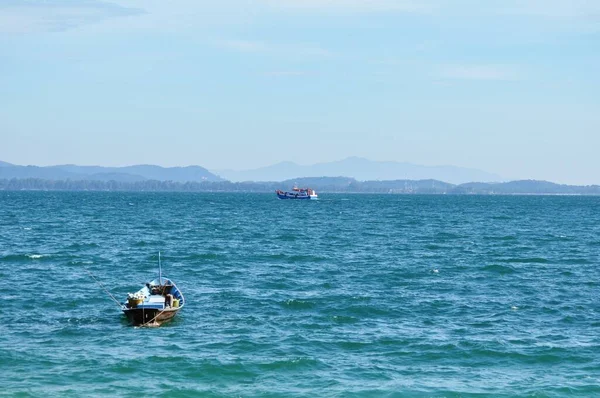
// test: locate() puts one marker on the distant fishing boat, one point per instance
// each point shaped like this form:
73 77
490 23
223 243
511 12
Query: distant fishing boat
155 303
297 193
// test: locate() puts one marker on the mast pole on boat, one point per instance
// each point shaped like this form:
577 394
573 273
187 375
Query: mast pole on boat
159 270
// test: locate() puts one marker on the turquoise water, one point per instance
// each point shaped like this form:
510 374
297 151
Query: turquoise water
351 296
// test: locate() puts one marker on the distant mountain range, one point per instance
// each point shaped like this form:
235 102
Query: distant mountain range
99 173
198 179
362 170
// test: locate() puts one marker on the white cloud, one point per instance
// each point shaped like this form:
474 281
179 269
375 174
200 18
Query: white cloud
255 46
247 46
560 9
539 8
478 72
353 5
38 15
287 73
586 9
551 8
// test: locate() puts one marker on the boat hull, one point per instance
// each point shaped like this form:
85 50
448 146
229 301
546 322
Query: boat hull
150 305
288 195
150 316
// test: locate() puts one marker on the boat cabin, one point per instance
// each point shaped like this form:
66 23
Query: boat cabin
155 295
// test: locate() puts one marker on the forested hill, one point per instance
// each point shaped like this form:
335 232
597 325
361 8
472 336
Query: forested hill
321 185
126 174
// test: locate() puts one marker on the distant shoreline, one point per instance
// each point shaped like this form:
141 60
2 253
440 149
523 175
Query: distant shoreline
324 192
340 185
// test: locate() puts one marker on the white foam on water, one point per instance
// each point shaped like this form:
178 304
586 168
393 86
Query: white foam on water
35 256
27 228
84 262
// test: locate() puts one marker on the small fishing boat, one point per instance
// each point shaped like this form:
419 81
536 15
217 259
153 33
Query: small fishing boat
155 303
297 193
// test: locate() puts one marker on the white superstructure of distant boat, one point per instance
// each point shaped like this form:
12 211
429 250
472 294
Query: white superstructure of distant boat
298 193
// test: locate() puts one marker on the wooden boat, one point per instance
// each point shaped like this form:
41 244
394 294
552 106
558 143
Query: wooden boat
297 193
154 304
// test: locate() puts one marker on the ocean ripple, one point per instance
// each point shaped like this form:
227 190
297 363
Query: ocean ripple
373 295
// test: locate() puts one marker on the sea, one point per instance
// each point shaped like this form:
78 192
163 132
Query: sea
348 296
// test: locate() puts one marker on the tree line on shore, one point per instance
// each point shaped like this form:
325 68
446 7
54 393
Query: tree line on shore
321 184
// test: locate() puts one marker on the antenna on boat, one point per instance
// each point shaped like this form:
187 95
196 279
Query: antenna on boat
159 270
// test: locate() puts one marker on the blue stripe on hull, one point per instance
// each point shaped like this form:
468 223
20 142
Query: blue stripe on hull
292 197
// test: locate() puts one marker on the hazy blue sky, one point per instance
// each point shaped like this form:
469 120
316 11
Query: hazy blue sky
508 86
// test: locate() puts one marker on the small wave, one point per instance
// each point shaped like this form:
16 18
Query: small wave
298 304
447 235
83 262
24 257
575 261
288 259
302 259
291 363
82 321
354 345
278 285
206 256
536 260
288 238
368 311
124 369
344 319
501 238
83 246
499 269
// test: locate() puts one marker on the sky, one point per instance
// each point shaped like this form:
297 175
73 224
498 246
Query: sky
507 86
